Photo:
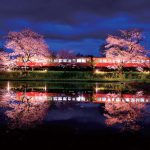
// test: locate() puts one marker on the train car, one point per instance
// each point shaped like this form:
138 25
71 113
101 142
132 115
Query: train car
56 62
108 62
97 97
129 98
44 96
83 62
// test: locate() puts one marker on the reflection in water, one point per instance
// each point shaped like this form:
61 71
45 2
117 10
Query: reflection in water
125 113
22 112
27 105
27 114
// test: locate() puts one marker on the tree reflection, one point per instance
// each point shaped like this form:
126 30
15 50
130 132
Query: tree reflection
125 114
24 112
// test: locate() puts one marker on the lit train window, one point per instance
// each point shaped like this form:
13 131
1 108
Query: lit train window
60 98
142 61
73 60
127 99
119 61
133 61
142 99
103 98
104 60
99 98
118 99
64 60
55 98
138 61
78 60
81 60
60 60
40 61
64 98
109 60
100 60
55 60
69 60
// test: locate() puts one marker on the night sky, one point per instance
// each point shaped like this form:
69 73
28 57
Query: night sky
77 25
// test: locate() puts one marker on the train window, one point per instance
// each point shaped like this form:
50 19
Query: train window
64 60
138 61
104 60
52 60
79 60
60 60
73 60
100 60
142 61
55 60
142 99
59 98
103 98
97 60
69 60
109 60
83 60
40 61
99 98
117 61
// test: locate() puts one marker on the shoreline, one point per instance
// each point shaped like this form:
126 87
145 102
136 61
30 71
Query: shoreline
75 76
75 80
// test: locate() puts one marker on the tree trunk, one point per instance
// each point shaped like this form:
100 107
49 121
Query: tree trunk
120 72
25 66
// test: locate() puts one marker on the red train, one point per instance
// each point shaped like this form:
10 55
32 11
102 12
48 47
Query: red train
85 62
97 97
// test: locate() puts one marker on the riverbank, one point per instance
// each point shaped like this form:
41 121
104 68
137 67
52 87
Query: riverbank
76 76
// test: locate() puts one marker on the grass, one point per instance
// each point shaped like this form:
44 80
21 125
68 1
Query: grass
75 76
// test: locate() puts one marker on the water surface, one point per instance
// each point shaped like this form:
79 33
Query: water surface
102 112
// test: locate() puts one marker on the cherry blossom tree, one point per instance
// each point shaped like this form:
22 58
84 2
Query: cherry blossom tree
125 47
26 45
5 61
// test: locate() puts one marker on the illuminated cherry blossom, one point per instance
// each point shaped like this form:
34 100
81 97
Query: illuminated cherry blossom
125 48
125 114
26 44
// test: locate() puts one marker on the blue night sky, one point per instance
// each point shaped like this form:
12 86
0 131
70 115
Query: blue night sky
77 25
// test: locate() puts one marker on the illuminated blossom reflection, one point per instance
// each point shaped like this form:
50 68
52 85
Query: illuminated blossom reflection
23 113
123 113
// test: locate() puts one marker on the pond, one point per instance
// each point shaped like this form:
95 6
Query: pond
87 113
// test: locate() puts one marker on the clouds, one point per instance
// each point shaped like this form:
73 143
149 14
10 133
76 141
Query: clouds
69 11
68 22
